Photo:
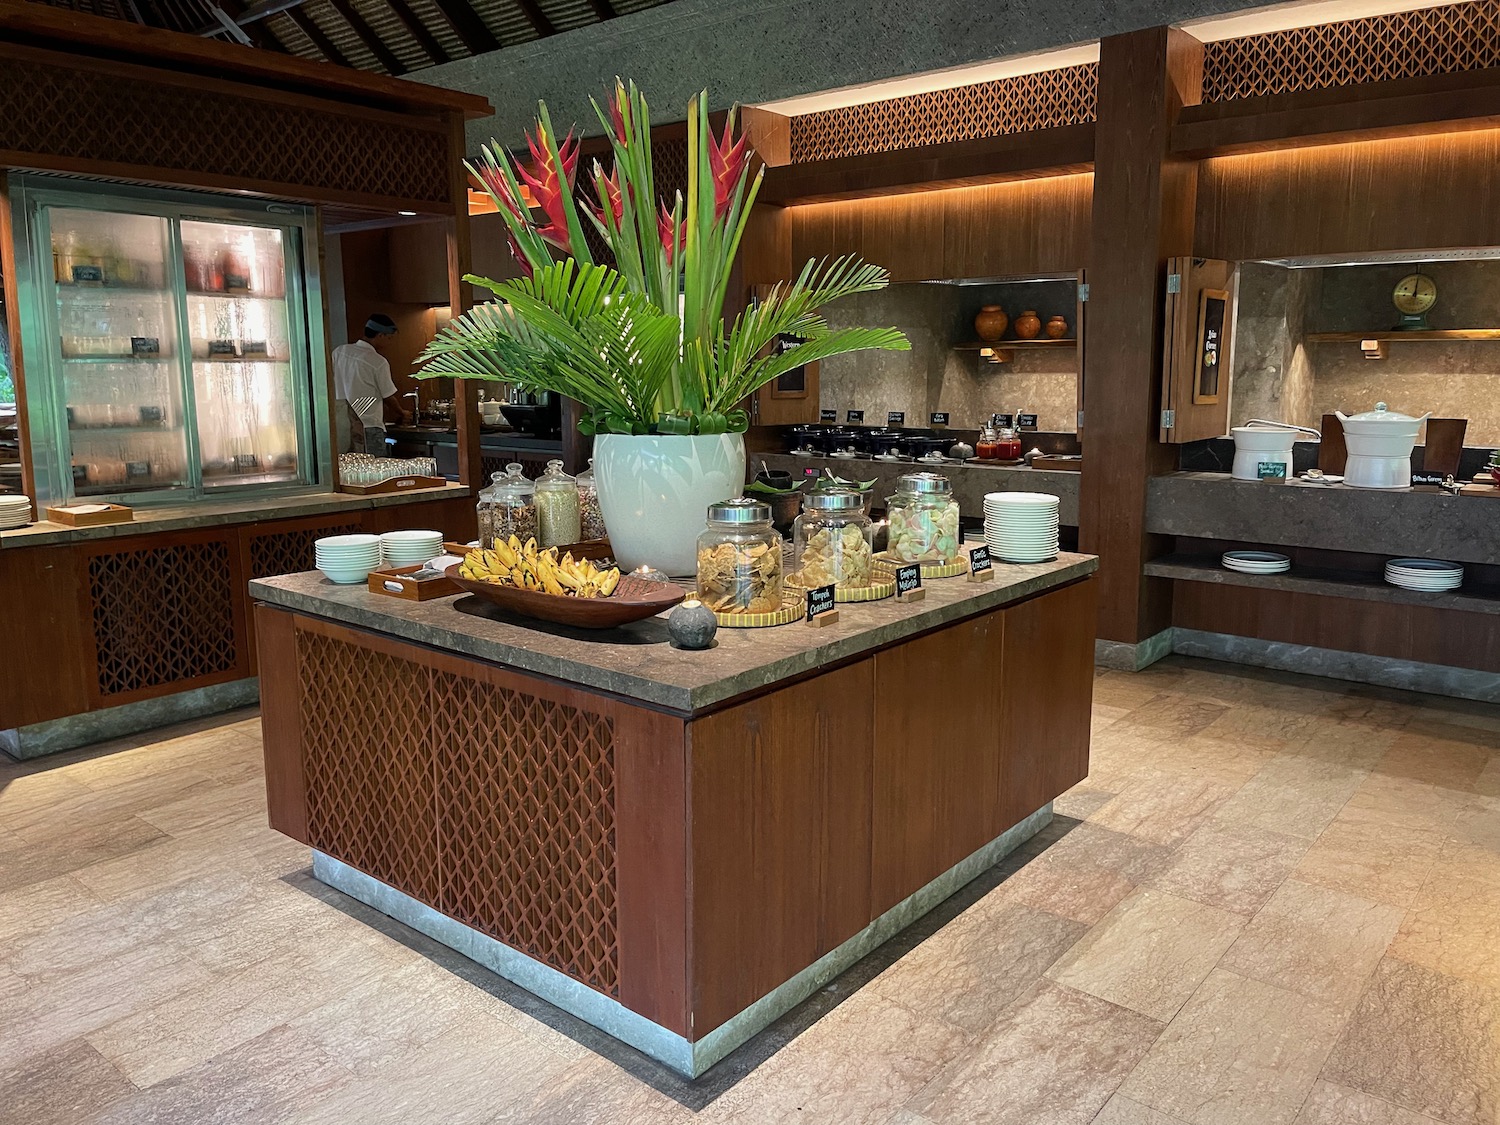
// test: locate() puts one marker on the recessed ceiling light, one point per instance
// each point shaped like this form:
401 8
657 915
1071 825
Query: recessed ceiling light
408 214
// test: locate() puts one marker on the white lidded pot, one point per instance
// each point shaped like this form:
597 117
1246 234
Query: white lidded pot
1380 442
1260 442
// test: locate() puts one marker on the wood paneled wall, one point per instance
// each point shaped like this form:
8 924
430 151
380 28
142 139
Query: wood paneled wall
1397 194
995 230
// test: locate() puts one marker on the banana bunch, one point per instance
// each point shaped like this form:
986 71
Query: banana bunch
513 563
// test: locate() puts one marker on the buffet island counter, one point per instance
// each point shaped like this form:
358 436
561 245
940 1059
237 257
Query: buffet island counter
675 846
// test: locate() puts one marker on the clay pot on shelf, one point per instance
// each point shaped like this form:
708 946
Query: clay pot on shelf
990 323
1028 324
1057 328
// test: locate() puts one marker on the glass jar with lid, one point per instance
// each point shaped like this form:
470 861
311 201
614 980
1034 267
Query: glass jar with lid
832 540
557 517
507 507
1008 444
924 519
590 519
987 448
739 558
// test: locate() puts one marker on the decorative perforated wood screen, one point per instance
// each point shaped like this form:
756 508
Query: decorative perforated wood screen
162 615
494 806
87 115
290 552
1045 100
1445 40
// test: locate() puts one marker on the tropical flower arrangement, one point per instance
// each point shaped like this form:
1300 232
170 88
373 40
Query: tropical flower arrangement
641 343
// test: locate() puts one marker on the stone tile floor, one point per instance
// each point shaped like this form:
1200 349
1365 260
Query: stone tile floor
1273 902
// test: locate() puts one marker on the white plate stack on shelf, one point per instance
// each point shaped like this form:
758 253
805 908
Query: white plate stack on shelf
1021 527
1256 562
15 511
347 559
1424 574
410 548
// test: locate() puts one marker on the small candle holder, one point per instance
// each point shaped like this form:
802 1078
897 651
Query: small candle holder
692 625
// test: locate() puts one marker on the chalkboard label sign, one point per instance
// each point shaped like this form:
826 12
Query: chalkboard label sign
828 415
91 275
1213 308
793 383
145 345
938 418
1025 421
246 462
855 416
1428 478
137 470
254 347
908 578
1270 470
221 347
979 559
236 283
1003 419
820 600
812 474
152 416
895 418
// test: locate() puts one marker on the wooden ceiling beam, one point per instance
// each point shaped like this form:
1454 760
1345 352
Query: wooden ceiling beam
467 25
324 44
366 35
538 19
425 39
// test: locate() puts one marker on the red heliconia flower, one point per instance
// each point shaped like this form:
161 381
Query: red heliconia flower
495 181
617 113
518 254
549 184
612 194
668 230
726 161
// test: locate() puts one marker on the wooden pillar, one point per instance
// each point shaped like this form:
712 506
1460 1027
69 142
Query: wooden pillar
1143 214
465 391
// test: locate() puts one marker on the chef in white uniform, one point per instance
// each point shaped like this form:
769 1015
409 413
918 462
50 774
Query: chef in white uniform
362 385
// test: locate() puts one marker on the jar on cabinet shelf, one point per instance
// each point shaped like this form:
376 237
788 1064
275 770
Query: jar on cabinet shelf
987 447
923 519
557 510
832 540
1028 324
739 559
1008 444
507 507
590 519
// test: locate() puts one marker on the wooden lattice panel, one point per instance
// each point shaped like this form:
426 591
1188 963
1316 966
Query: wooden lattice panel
81 114
290 552
497 807
1445 40
1045 100
162 615
532 466
528 825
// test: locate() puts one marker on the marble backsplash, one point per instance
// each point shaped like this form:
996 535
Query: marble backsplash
935 376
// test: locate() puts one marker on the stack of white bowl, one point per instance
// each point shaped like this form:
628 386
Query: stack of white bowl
1256 562
1021 527
410 548
1424 574
347 559
15 511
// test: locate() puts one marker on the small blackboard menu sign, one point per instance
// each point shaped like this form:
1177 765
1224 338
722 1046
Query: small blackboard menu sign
895 418
1025 421
938 418
979 559
221 347
1213 308
1003 419
820 600
1428 478
828 415
145 345
855 416
93 275
254 347
1270 470
908 578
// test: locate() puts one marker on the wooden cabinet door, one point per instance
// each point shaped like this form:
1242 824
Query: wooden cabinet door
1196 338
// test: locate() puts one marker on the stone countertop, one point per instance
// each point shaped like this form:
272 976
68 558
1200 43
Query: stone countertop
218 513
1401 522
637 661
970 482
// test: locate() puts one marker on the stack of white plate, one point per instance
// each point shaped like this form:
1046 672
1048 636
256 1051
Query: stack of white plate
347 559
410 548
1021 527
15 511
1256 562
1424 574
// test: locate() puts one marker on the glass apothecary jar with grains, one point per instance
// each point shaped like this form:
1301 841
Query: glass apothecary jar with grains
832 541
923 519
557 511
507 507
739 559
590 519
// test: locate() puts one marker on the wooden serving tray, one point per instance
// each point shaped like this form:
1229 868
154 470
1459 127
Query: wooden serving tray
113 513
634 599
394 484
1062 464
411 589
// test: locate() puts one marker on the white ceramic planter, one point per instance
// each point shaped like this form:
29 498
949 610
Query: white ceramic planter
654 493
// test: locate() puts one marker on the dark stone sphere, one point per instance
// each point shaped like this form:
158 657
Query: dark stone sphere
692 625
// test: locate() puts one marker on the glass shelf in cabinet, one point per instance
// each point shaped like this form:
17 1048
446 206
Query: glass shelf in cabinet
143 360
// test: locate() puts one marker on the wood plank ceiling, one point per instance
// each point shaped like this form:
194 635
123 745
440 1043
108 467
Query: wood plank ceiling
382 36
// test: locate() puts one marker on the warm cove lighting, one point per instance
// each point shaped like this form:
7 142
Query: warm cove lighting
1284 17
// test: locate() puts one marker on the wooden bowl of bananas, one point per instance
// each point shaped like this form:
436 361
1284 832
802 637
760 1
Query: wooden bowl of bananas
524 579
